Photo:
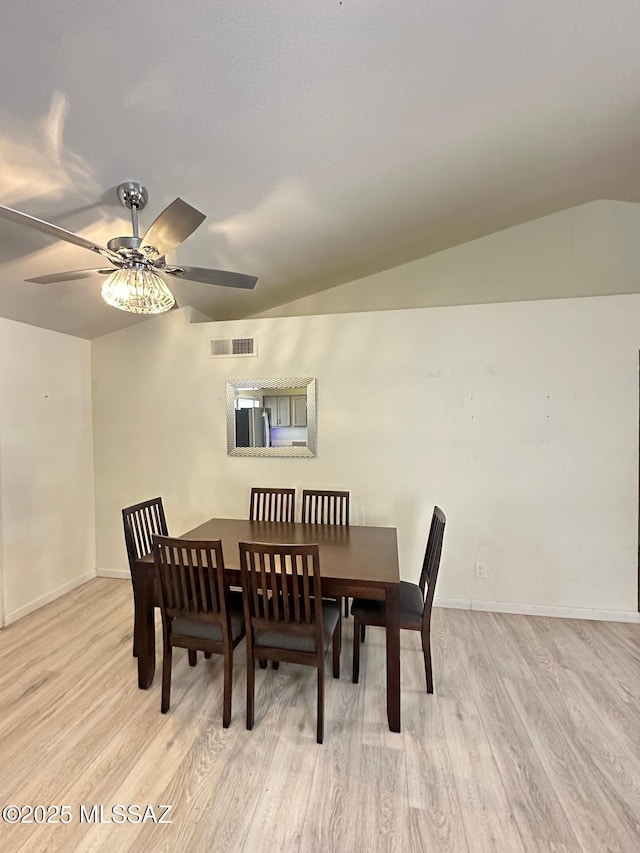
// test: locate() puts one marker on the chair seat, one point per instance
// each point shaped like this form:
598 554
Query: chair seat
301 642
374 612
184 627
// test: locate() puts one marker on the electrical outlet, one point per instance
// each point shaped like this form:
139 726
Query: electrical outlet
481 570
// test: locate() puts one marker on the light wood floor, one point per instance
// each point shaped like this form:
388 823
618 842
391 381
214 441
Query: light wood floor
530 743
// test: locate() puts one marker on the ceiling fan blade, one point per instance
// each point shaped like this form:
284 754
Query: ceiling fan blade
219 277
172 227
56 231
73 275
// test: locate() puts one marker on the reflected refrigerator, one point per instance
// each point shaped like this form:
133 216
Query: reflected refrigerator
252 428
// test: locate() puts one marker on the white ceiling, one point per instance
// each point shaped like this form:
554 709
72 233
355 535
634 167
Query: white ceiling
325 140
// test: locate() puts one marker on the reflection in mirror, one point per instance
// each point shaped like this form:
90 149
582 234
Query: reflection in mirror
271 417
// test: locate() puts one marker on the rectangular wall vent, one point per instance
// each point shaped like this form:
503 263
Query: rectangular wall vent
232 347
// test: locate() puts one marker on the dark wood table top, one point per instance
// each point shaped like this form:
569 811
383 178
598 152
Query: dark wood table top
367 555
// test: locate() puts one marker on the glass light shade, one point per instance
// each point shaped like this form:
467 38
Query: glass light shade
139 291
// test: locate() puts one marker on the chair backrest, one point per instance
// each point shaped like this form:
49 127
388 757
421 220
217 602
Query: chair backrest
141 522
431 562
191 575
325 507
281 587
272 504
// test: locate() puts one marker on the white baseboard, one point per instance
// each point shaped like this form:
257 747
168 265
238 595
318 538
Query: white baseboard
539 610
39 602
452 603
123 574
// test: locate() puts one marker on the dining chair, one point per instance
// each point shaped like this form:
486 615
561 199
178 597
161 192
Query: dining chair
272 504
199 612
141 521
320 506
285 615
416 601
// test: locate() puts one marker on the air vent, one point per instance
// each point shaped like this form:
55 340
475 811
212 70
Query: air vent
232 347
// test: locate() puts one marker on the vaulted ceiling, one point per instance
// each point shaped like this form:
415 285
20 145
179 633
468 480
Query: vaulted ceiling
325 140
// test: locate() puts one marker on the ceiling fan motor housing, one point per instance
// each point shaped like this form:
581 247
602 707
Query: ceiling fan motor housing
124 243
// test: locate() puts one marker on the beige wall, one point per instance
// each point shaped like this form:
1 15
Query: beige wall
47 533
591 250
520 420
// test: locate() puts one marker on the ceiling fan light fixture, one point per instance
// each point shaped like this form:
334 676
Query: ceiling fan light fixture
137 290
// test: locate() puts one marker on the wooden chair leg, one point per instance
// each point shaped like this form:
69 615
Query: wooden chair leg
362 633
166 678
193 657
275 664
426 651
250 688
346 607
320 728
263 664
226 701
355 673
135 651
207 655
336 649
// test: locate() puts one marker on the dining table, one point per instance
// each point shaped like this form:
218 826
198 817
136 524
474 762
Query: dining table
358 561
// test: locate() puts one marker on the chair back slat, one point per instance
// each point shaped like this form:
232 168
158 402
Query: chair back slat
268 504
431 562
191 575
141 521
282 586
180 572
320 506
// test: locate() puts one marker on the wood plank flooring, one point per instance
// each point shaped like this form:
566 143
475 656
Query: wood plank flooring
530 744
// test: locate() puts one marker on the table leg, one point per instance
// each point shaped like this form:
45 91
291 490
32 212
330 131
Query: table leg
393 657
143 595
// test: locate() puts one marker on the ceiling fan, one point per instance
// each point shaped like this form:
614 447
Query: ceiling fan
137 284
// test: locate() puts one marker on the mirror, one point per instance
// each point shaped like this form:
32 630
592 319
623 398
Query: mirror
271 417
